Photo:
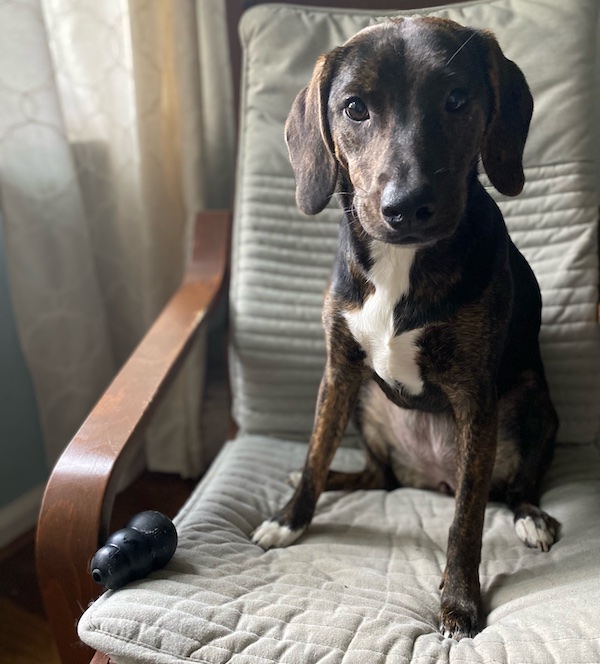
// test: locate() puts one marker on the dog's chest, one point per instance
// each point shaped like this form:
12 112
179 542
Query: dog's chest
393 357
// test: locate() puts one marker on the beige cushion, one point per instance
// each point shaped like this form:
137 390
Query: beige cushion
362 585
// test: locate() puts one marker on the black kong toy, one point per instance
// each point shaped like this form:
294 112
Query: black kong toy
146 543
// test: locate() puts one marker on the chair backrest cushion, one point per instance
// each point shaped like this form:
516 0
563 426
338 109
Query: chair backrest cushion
282 258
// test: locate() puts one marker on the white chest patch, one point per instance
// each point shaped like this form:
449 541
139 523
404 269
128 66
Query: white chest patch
392 357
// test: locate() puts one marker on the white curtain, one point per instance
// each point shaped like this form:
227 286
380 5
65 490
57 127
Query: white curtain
110 114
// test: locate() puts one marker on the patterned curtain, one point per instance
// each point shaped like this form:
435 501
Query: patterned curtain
110 114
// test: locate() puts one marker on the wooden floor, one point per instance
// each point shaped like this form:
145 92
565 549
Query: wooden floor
25 636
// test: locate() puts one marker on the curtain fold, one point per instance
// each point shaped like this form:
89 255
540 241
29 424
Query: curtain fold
104 147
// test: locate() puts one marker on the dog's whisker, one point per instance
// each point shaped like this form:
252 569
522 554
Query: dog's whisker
460 48
354 193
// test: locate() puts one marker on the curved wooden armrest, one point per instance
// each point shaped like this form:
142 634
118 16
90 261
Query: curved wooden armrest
79 496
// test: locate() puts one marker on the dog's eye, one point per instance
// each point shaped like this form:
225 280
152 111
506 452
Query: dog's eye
457 100
356 110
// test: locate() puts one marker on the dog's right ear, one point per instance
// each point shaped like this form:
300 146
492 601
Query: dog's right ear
512 106
309 142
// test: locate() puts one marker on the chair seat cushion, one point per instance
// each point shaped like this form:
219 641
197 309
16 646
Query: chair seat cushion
362 584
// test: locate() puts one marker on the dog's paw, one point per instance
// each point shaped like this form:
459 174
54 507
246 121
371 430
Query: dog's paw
536 529
272 534
459 620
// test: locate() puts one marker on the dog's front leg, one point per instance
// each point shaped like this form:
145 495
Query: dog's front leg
337 396
461 612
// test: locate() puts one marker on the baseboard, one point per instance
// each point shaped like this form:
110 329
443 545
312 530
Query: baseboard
21 515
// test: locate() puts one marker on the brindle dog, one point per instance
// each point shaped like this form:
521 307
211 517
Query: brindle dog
432 315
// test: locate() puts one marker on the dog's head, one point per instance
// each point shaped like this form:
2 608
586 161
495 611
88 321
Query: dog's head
399 116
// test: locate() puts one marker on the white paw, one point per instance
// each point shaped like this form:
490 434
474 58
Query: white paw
536 532
293 479
456 636
272 534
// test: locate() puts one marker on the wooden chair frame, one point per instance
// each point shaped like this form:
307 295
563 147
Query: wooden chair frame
76 510
77 505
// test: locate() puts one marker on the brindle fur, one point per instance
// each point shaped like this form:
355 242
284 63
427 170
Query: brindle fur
470 291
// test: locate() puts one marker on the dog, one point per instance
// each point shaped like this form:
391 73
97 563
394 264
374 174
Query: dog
432 315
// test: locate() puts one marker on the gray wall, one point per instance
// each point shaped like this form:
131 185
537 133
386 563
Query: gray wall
22 461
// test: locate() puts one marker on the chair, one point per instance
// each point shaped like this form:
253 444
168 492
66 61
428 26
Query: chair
362 584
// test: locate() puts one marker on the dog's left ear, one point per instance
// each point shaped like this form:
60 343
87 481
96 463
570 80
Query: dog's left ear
506 133
309 141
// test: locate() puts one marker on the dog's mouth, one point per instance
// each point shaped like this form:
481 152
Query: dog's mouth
412 236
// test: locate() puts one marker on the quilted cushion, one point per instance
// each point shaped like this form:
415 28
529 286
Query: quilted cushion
362 585
282 258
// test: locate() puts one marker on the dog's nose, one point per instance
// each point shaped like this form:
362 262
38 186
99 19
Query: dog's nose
401 206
